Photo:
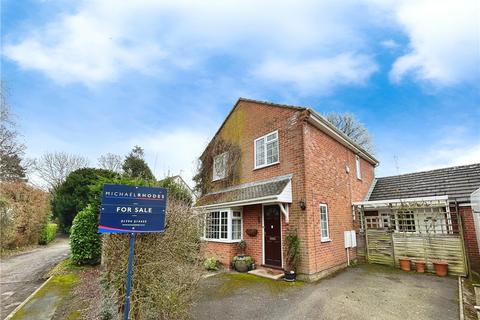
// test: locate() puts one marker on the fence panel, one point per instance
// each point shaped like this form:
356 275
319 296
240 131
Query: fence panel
379 247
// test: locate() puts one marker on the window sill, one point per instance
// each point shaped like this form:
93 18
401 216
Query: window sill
220 240
325 240
218 179
266 165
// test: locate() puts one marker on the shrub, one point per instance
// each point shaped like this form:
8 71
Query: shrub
23 212
293 251
85 240
75 194
167 266
49 232
211 264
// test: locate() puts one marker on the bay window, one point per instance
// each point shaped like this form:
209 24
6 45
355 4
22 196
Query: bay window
223 225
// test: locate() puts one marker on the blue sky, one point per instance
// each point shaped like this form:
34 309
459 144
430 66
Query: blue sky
91 77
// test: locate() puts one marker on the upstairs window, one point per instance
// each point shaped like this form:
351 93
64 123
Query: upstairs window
266 150
324 230
358 168
220 166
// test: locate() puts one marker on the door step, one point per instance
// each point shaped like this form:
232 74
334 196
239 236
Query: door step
267 273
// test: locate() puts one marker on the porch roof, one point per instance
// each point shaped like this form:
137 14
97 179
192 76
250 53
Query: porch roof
278 189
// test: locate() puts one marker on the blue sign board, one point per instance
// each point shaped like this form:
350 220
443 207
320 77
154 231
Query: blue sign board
132 209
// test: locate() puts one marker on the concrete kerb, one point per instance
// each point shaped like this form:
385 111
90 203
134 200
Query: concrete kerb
460 298
20 306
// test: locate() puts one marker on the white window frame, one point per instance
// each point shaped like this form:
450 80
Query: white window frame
324 238
229 238
264 138
358 167
214 172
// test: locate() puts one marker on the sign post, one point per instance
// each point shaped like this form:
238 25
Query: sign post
132 209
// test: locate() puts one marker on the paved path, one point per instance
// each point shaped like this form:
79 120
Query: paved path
363 293
20 275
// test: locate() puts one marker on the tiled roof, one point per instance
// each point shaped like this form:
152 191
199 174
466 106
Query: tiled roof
248 191
456 182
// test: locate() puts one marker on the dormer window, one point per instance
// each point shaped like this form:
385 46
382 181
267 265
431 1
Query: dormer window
266 150
220 166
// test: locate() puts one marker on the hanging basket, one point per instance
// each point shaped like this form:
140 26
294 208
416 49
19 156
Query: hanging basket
251 232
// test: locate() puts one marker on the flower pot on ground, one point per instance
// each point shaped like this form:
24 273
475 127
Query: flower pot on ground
293 257
440 267
420 266
242 263
290 276
404 263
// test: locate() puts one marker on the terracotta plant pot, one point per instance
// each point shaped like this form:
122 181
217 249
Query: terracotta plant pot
404 264
420 266
441 268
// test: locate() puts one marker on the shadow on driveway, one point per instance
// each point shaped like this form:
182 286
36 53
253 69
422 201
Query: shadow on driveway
364 292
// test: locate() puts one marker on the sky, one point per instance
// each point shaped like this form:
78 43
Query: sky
91 77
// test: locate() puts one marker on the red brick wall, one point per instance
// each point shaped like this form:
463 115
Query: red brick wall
224 252
317 163
327 181
470 237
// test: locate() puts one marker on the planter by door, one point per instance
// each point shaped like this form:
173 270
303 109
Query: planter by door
272 236
441 268
404 264
420 266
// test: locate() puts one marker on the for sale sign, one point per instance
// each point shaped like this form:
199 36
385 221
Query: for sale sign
132 209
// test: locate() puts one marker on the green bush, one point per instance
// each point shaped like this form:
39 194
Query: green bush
211 264
49 232
75 194
84 237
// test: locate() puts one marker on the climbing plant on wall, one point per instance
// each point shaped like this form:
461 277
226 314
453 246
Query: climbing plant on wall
203 178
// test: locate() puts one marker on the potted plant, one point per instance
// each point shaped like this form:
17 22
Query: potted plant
420 266
404 263
440 267
293 257
242 263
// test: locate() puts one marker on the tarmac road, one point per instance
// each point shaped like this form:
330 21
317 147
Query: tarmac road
22 274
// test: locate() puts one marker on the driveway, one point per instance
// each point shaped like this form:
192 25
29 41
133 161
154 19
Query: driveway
364 292
20 275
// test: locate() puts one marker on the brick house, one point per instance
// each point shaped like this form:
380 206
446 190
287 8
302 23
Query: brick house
273 170
436 204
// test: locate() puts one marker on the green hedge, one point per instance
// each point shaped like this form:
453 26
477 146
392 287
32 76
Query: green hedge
84 237
49 232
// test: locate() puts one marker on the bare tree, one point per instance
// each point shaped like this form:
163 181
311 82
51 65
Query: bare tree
111 162
11 149
352 128
54 167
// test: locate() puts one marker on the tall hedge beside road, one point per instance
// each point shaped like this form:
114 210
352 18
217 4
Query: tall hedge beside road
24 211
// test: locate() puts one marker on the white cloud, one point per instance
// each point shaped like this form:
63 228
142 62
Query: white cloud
319 75
390 44
173 152
102 40
444 40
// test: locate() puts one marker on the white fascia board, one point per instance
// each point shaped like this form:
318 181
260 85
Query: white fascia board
240 203
323 124
388 201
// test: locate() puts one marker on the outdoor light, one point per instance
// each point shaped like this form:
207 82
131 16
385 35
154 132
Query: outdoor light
302 204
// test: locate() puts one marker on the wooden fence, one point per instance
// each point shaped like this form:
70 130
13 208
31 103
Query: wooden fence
385 247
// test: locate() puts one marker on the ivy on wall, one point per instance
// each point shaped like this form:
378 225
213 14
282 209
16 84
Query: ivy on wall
203 178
